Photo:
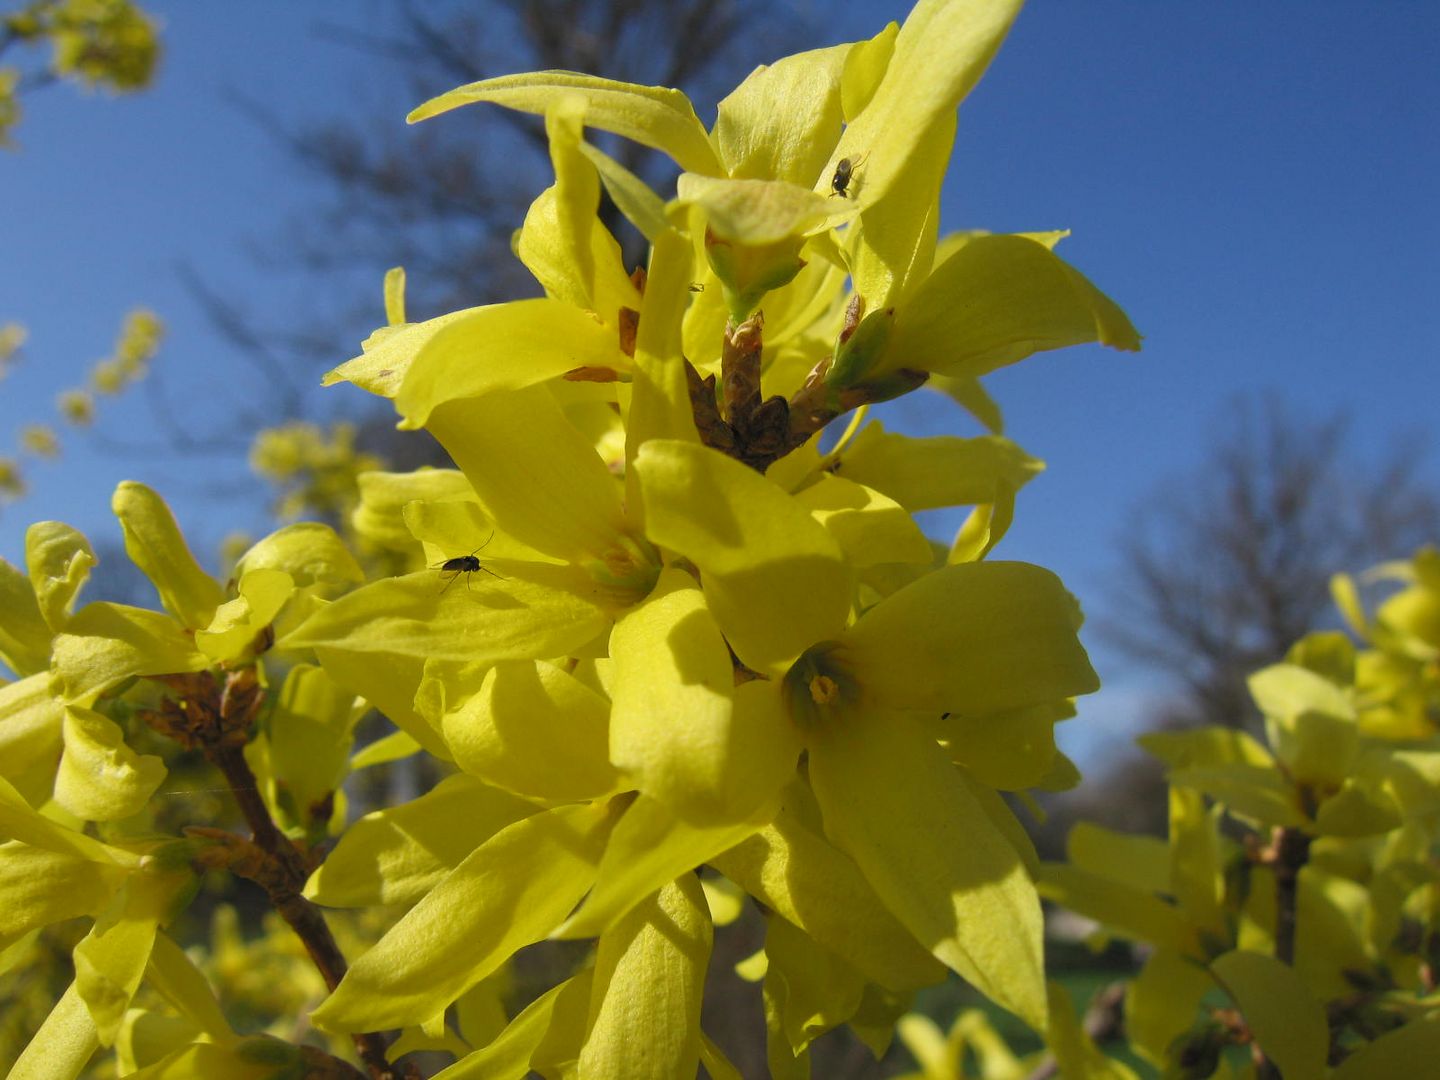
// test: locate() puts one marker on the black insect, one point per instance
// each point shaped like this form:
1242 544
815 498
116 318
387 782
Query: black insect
465 564
844 170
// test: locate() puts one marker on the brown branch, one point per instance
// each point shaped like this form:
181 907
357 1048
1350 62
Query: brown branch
216 719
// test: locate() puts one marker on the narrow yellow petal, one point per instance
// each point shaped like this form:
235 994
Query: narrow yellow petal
100 777
510 892
64 1044
59 559
893 802
154 544
649 977
653 116
775 580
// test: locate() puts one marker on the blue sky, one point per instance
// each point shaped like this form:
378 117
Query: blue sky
1253 182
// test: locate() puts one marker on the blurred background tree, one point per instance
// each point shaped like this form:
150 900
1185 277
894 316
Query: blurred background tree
1221 570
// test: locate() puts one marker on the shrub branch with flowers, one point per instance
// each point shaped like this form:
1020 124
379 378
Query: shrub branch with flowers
707 658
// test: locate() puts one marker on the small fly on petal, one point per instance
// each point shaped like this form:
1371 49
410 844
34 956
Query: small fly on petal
844 170
465 564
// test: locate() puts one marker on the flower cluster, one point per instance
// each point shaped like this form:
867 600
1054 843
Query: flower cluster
695 654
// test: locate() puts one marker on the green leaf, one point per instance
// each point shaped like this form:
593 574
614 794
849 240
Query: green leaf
892 800
59 559
154 544
1287 1023
509 893
649 978
653 116
397 855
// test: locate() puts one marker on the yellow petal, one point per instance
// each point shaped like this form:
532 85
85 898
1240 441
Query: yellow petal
814 989
18 821
40 887
649 847
383 497
939 471
753 212
893 802
509 893
1288 1025
649 978
997 300
940 53
783 120
311 553
109 963
533 470
387 353
64 1044
794 871
24 635
30 738
100 777
631 195
650 115
674 729
174 976
774 578
535 730
1138 915
503 347
555 1021
1163 1001
105 644
492 620
59 559
154 544
870 528
239 622
395 296
974 638
398 854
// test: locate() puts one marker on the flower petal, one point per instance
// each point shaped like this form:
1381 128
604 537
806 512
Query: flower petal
398 854
100 777
774 578
893 801
59 559
509 893
649 978
154 544
939 471
24 634
974 638
940 53
503 347
536 730
783 120
997 300
533 470
653 116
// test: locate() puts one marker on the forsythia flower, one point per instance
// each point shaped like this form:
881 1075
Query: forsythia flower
693 656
